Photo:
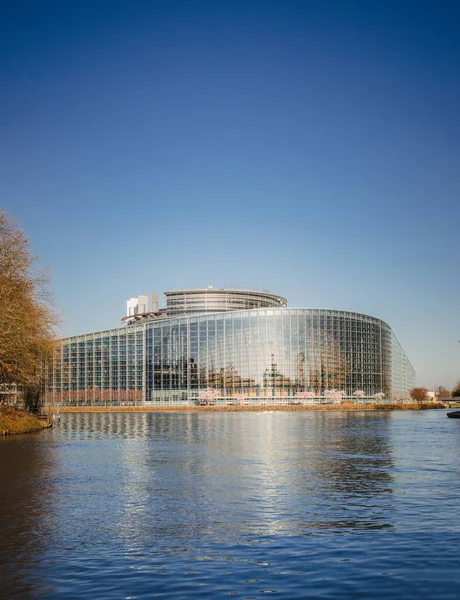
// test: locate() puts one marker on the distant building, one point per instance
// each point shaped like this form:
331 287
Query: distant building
142 306
237 342
137 306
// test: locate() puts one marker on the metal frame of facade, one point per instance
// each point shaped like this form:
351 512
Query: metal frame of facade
261 354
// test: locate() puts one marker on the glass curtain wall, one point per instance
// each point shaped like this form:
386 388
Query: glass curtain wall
187 302
99 368
269 353
402 372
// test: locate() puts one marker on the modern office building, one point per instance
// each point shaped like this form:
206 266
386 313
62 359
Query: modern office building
229 344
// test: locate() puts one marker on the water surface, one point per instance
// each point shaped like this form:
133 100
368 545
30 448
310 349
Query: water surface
298 505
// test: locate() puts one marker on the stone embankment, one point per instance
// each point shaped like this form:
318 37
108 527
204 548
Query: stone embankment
15 420
256 408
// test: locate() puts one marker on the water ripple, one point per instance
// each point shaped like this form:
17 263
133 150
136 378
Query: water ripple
317 505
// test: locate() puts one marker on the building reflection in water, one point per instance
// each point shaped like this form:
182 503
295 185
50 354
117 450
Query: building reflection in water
252 474
348 472
152 485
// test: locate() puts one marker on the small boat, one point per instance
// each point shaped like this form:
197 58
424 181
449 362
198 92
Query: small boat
454 415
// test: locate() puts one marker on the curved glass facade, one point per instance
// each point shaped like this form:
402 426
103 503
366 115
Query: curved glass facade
187 302
261 354
276 352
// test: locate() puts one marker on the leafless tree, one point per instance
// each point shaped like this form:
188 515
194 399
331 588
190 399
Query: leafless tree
27 318
442 392
456 390
419 395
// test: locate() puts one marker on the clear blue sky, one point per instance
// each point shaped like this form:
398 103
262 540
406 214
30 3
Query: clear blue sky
310 148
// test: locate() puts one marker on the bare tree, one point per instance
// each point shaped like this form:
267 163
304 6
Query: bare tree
456 390
419 395
442 392
27 319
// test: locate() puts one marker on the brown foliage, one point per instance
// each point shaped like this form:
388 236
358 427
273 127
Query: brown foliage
26 316
443 392
419 394
347 404
13 420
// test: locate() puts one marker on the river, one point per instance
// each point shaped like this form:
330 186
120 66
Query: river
200 505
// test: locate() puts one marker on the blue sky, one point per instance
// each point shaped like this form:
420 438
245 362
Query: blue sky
310 148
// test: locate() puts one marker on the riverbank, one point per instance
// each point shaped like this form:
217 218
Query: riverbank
16 420
258 408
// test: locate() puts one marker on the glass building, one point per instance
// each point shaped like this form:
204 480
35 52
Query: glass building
189 302
230 345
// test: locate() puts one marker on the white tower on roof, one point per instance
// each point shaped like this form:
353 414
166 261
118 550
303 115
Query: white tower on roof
142 305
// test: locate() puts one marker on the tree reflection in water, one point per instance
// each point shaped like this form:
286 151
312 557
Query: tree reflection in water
26 496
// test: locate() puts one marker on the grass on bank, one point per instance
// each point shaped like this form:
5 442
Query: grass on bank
15 420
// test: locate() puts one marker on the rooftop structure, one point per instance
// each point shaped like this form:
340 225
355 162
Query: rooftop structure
210 300
141 307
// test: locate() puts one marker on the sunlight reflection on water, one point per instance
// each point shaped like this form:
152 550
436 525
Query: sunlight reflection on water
330 505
